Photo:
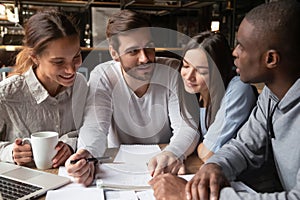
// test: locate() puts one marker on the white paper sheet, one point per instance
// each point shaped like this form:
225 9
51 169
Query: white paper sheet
76 194
125 180
74 191
118 195
136 153
123 176
145 195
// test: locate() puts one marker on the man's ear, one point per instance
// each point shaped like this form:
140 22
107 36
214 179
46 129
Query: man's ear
114 54
272 58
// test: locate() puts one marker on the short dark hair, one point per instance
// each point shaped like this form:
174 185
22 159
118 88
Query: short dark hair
277 25
123 21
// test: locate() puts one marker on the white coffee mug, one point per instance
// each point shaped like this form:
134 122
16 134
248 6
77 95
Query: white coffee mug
43 148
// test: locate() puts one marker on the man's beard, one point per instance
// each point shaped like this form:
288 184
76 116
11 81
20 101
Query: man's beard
135 72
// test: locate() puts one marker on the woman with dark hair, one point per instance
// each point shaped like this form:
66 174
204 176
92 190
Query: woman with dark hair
45 92
225 102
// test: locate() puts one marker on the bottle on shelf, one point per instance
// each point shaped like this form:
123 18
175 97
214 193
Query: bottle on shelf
87 36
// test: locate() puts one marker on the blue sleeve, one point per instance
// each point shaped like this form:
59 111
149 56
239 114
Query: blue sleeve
235 108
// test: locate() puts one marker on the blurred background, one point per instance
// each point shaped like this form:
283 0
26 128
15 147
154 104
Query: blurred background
186 16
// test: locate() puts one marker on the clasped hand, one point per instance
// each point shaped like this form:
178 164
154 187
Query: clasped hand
22 153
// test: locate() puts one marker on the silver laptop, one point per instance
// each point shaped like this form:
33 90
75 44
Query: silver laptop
29 183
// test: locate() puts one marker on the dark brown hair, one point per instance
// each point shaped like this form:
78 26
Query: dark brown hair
217 47
219 54
123 21
40 29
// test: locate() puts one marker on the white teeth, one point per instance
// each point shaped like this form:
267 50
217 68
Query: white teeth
67 76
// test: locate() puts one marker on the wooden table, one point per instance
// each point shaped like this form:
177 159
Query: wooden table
192 163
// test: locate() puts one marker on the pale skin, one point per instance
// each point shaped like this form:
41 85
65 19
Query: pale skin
56 70
195 77
82 171
174 191
254 64
136 55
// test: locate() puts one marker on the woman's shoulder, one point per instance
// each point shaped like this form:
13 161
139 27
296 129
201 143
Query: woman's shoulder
11 85
80 82
108 65
236 83
238 88
80 78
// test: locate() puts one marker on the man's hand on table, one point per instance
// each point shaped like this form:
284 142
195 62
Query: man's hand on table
82 171
165 162
207 183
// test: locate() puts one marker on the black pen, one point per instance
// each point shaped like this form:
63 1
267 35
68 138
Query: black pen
94 159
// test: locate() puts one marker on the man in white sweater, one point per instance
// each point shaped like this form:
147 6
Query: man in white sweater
133 100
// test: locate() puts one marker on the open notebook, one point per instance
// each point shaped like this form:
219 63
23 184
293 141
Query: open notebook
18 182
129 170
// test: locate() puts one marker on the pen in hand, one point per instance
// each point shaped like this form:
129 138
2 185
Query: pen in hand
94 159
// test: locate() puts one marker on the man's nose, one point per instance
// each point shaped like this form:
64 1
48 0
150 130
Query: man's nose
143 56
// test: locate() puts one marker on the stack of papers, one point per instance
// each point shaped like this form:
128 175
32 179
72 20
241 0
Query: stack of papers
76 194
128 177
137 154
123 176
130 169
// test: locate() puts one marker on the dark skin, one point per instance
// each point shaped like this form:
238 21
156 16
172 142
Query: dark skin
22 153
255 63
206 184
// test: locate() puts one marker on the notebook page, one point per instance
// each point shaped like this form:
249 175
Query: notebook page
136 153
145 195
123 176
120 194
76 194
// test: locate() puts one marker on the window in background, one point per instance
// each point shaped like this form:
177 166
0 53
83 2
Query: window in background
99 20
